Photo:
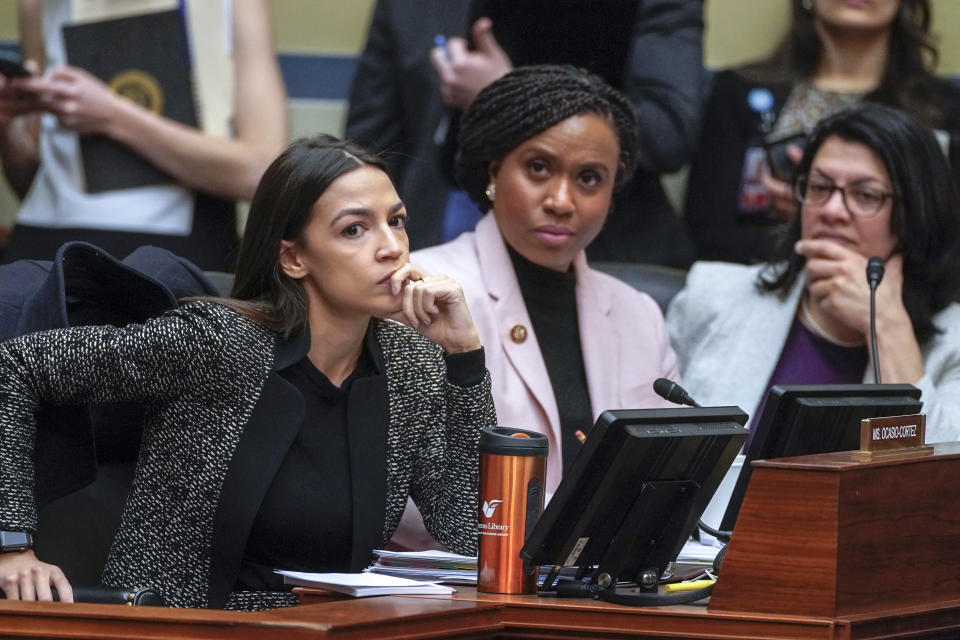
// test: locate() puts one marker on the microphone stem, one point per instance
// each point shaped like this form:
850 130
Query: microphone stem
873 333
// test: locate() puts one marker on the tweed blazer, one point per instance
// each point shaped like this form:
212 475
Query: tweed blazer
220 423
728 336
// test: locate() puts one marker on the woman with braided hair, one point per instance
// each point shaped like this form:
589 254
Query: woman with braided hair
542 149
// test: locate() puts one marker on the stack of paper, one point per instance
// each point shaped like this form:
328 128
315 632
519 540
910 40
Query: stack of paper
435 566
361 585
696 553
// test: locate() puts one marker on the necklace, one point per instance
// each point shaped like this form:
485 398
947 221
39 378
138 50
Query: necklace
823 333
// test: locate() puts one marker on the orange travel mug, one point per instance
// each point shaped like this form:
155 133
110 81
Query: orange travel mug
513 466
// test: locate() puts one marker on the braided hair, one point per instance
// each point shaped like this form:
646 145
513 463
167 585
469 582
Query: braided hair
528 101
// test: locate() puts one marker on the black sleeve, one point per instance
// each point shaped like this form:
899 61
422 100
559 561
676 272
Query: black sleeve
466 369
951 112
375 115
717 226
663 80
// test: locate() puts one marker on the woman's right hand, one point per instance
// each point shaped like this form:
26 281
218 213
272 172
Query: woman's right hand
435 306
15 99
783 200
23 577
464 72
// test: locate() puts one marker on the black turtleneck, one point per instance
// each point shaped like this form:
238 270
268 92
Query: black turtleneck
551 302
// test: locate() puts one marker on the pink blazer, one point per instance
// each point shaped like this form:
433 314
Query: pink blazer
622 333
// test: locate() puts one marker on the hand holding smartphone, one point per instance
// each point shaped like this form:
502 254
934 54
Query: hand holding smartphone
781 165
11 65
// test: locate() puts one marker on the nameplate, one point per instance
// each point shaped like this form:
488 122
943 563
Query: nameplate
894 433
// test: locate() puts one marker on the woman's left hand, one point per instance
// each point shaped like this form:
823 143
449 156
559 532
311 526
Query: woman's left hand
79 100
837 282
435 306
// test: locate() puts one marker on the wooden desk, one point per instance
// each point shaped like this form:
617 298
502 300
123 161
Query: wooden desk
853 535
467 614
840 589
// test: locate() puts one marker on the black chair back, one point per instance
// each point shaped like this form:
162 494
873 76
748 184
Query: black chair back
659 282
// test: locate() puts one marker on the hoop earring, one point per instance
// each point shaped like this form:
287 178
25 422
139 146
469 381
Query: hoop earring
491 191
807 5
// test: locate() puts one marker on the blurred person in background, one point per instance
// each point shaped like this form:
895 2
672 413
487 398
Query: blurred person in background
836 54
42 118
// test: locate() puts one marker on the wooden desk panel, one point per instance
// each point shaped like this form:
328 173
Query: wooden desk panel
548 617
386 617
837 535
467 614
58 620
396 617
941 621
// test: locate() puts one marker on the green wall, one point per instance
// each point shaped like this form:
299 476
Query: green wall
736 31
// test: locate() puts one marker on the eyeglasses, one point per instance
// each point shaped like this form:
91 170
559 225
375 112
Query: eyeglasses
860 201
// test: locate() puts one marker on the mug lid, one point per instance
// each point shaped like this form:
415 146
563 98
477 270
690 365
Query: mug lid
506 441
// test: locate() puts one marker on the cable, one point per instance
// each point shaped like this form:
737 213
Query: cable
722 536
574 589
718 559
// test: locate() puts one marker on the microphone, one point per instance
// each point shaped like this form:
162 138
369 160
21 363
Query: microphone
874 276
874 271
671 391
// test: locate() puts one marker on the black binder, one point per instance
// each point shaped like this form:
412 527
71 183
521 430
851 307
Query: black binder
594 34
145 58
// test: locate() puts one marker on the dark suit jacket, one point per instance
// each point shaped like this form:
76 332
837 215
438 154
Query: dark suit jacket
395 109
719 228
222 420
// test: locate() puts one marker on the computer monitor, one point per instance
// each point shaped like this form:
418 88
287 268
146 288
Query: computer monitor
635 490
802 419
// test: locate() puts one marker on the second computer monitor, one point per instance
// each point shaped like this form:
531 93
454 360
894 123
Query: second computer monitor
803 419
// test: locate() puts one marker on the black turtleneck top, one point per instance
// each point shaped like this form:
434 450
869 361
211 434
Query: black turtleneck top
550 297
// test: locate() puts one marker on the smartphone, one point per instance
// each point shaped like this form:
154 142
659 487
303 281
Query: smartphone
775 146
11 65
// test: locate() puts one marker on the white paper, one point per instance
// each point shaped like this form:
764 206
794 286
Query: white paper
427 556
363 584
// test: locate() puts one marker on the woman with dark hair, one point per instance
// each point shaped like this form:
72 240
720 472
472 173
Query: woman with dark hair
542 149
835 55
287 425
872 182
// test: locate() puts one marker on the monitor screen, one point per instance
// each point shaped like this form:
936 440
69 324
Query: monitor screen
635 490
803 419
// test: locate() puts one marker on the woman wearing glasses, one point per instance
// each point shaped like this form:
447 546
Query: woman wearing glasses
836 54
872 182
